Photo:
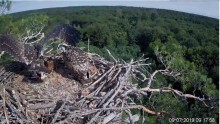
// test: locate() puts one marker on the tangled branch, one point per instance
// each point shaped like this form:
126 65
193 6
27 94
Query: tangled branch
33 36
105 99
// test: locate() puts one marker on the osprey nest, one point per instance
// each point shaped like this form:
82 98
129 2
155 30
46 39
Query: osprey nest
109 98
79 87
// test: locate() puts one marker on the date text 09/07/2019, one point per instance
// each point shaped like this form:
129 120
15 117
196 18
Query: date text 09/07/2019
192 120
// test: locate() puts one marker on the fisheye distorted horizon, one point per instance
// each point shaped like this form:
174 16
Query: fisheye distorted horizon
211 7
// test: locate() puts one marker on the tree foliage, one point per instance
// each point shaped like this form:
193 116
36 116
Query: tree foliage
4 5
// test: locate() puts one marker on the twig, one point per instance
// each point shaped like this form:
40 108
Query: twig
41 106
100 78
88 44
177 92
57 113
111 56
4 107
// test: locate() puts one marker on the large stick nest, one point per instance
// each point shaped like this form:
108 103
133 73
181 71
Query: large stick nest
107 99
62 100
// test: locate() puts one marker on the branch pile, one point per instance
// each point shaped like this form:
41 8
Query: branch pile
110 98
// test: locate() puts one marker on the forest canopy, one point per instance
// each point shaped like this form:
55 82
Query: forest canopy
186 43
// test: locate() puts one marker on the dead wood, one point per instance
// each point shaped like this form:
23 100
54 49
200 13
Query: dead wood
62 100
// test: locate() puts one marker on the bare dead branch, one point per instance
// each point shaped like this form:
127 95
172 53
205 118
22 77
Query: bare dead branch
112 56
30 34
170 90
4 107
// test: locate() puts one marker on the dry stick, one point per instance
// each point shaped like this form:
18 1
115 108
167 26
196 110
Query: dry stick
94 117
134 64
97 81
100 78
32 100
32 35
151 78
143 117
130 116
112 79
2 71
57 113
107 95
119 70
100 87
143 75
18 105
97 114
125 108
114 95
111 55
179 93
4 107
12 107
69 117
88 44
121 81
41 106
18 102
128 92
103 100
120 85
6 77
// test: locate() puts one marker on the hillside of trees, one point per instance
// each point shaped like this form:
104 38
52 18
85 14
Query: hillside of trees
186 43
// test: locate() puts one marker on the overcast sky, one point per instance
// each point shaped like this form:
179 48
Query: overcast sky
208 8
